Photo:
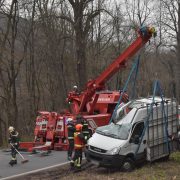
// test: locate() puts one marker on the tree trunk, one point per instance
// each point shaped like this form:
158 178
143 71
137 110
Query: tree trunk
81 60
80 44
12 68
178 58
1 137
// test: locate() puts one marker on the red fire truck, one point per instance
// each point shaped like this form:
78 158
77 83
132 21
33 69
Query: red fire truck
95 103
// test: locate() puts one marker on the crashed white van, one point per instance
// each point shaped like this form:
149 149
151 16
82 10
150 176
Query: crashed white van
143 129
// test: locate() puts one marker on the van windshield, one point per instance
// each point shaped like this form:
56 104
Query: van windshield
117 131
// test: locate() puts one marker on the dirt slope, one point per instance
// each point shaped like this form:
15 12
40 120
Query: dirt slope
169 170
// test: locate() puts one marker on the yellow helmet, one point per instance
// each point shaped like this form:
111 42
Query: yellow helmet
11 129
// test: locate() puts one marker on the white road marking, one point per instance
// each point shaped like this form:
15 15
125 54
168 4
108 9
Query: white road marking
33 171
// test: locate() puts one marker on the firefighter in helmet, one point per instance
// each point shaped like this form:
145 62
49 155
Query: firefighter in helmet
70 129
79 143
78 119
75 90
14 142
85 130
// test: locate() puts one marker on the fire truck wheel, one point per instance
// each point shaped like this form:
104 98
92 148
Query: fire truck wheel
128 165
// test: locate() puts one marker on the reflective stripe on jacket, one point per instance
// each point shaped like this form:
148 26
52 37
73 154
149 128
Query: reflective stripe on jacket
71 129
70 137
14 137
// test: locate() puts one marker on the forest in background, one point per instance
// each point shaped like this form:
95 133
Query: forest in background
47 46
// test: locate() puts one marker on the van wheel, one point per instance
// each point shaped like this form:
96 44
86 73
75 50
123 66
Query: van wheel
128 165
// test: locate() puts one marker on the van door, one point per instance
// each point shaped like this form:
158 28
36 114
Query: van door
137 147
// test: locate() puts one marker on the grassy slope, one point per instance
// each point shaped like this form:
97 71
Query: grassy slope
169 170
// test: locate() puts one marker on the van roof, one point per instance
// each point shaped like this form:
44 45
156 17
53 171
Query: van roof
145 101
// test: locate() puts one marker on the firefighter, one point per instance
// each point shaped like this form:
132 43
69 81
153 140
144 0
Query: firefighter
85 130
14 142
79 119
75 90
71 129
79 143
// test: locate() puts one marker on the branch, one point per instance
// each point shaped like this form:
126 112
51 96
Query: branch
72 2
168 26
66 18
85 2
91 16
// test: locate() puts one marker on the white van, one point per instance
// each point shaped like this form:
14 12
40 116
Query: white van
142 130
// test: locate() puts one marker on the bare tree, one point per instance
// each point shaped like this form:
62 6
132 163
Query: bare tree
139 12
10 62
57 36
169 33
178 56
82 22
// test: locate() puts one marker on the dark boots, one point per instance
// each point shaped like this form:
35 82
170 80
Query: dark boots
12 162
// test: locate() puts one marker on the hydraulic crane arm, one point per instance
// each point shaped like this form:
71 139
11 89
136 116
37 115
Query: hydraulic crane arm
145 33
119 62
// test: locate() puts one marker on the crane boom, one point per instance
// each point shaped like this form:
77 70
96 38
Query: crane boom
80 101
120 61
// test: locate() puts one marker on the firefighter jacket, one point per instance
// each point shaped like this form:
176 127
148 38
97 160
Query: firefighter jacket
14 138
79 140
85 130
71 129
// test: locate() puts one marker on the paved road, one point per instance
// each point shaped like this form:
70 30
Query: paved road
36 161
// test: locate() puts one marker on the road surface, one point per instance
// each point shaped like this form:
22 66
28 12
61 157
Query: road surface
36 162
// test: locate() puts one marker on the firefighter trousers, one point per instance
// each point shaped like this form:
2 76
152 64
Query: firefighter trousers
70 148
13 155
77 158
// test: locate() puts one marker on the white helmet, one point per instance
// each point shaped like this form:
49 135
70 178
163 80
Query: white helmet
74 87
11 129
69 120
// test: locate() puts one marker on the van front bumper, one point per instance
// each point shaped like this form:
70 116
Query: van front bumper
105 160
